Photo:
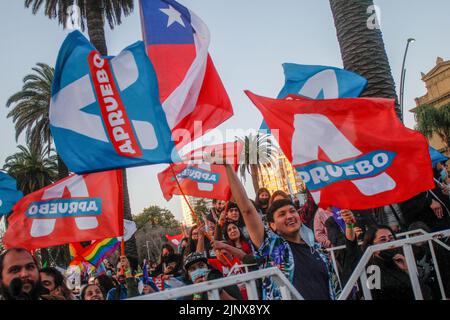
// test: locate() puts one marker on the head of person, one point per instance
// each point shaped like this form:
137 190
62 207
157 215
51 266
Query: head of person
121 279
104 282
219 205
233 212
54 282
166 250
196 267
232 232
440 171
278 195
262 197
172 264
378 235
92 292
193 235
283 218
18 263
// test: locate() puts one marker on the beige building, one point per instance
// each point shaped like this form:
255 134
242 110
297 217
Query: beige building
282 176
187 216
437 82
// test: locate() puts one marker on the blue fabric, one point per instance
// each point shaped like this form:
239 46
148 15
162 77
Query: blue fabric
436 156
112 293
9 194
311 82
80 131
156 21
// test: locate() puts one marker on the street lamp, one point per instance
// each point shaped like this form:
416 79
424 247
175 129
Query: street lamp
402 78
148 252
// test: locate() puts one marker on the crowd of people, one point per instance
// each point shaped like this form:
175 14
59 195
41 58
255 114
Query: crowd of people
273 230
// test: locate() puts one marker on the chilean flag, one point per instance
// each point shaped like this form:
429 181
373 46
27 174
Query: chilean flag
190 88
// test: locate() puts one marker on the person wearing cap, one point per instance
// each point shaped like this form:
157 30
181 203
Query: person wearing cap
198 270
287 244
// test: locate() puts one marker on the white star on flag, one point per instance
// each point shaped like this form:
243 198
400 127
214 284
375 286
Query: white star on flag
174 16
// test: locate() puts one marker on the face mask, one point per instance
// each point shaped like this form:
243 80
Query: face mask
264 201
388 255
443 174
198 273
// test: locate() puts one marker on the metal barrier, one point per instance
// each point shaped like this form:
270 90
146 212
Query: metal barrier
360 270
288 292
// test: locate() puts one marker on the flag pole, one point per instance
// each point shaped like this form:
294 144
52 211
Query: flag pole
193 212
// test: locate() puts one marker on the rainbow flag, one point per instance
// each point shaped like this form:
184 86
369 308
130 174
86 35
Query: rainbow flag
94 253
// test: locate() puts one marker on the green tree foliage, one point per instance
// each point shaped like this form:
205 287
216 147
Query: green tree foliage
258 152
434 120
32 168
156 216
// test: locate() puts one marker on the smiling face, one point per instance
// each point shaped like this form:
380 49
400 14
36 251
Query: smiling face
194 234
233 232
286 221
93 292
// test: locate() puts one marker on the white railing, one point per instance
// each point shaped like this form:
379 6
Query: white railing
360 270
288 292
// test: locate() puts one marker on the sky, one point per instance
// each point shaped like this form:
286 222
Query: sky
249 42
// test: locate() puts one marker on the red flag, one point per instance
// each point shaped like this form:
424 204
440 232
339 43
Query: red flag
176 239
77 208
198 178
351 153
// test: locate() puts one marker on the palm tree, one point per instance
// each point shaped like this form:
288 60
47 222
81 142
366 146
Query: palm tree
30 107
32 167
362 47
93 14
432 120
258 152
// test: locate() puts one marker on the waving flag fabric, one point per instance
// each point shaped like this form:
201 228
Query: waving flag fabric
9 194
436 156
197 176
190 88
105 111
319 82
75 209
94 253
351 153
176 239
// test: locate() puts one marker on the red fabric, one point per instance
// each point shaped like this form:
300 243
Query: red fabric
176 239
106 186
213 106
215 189
224 268
369 126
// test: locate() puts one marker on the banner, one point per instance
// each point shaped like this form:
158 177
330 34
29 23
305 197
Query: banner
319 82
190 88
9 194
105 111
75 209
197 176
176 239
351 153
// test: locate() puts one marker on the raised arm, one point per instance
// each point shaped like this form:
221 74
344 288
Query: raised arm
251 217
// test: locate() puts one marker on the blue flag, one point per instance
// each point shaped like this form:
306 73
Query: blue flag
436 156
105 112
319 82
9 194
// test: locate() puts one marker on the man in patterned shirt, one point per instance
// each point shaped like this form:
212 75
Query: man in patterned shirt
287 244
